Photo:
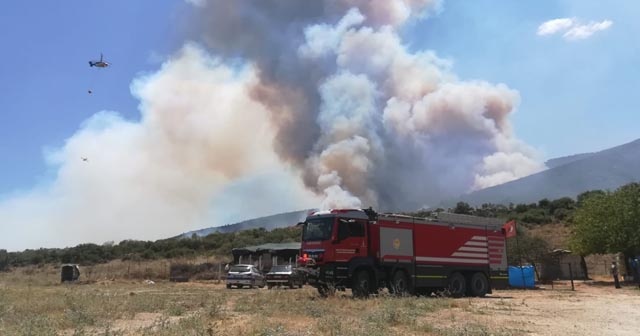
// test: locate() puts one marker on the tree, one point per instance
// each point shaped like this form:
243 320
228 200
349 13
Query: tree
583 196
608 222
531 249
4 260
463 208
562 203
544 203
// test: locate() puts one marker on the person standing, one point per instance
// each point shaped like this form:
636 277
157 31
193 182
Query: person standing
615 273
635 264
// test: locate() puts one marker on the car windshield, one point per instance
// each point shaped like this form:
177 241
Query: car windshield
239 269
281 268
317 229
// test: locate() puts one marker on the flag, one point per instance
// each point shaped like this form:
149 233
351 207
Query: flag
509 229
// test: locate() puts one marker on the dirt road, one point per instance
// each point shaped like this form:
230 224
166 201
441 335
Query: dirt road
590 310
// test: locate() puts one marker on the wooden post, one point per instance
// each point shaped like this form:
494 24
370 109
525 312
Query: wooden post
524 284
571 277
219 272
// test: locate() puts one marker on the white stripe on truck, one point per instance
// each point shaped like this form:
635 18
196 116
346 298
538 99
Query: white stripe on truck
454 260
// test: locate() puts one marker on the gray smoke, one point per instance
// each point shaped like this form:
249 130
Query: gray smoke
367 121
279 105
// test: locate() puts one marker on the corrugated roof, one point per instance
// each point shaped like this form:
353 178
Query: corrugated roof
268 247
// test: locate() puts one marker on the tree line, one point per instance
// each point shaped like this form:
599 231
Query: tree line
600 222
215 244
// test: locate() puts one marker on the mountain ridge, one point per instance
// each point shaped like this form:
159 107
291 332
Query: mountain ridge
607 169
285 219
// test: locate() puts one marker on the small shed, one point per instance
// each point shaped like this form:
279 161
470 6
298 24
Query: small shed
562 264
266 255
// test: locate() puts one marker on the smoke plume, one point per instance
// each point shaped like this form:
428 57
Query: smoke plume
201 139
367 121
278 105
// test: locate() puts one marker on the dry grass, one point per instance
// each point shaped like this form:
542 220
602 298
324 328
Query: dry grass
32 302
134 308
556 234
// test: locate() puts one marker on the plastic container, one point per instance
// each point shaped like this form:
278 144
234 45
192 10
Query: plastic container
522 277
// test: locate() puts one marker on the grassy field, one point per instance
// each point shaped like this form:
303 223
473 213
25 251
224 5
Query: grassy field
34 303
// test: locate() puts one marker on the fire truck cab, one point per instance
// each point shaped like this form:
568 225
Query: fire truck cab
365 251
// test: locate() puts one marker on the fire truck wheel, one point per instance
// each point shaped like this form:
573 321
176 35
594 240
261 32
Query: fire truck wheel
361 284
479 285
400 283
457 285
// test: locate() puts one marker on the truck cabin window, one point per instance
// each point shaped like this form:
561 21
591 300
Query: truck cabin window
350 228
317 229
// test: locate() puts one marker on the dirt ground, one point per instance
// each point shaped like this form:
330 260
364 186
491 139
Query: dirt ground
139 308
592 309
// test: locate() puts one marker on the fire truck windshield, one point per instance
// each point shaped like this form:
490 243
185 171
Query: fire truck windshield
317 229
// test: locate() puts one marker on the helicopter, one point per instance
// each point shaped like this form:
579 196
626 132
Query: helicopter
100 64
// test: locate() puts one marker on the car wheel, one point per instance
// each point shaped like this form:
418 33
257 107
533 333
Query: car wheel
228 286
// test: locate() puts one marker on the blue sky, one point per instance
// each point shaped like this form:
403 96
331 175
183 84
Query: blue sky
576 96
45 75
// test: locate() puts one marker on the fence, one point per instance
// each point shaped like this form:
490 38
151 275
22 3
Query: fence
183 272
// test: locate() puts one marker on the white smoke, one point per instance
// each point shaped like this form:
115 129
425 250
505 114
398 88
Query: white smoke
416 132
200 131
303 104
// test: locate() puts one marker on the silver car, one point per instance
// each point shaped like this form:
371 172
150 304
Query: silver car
245 275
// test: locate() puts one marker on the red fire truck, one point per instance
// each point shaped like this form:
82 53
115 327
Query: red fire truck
366 251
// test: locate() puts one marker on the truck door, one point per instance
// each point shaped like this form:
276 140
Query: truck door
352 240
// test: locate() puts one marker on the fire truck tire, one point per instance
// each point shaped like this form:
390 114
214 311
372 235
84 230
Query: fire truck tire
457 285
361 284
400 283
478 285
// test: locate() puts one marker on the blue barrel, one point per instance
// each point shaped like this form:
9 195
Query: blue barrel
521 277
